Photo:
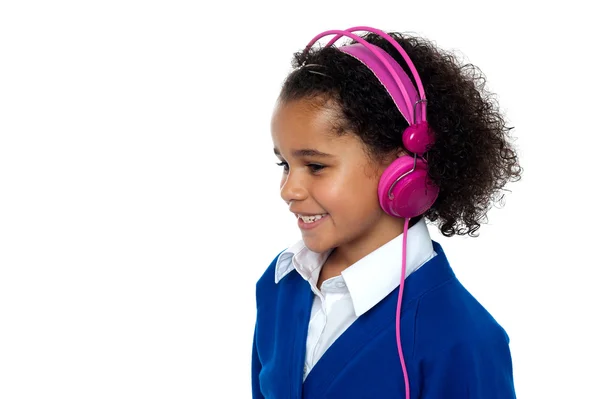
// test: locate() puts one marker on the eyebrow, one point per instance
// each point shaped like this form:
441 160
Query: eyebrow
305 152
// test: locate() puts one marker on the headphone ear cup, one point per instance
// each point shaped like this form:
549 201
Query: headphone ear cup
413 194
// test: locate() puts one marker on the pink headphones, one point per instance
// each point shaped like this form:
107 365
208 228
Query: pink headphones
405 189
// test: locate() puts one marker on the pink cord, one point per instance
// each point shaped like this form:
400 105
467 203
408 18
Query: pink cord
401 291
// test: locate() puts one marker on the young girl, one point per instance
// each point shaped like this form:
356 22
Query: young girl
377 134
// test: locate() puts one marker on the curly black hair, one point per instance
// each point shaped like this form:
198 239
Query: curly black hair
472 158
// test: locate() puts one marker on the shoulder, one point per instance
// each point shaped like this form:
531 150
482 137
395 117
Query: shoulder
461 349
267 284
268 275
449 317
280 266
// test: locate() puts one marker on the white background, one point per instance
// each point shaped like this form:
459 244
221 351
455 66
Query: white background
139 197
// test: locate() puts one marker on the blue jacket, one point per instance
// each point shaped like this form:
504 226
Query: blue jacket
453 348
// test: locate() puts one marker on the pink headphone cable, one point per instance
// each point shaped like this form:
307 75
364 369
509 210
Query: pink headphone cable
401 291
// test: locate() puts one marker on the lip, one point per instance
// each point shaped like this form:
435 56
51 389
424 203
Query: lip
309 226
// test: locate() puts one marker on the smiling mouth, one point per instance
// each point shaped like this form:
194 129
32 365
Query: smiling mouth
311 219
307 223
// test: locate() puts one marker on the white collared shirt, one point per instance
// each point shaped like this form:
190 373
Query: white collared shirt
342 299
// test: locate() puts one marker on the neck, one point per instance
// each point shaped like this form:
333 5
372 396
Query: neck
351 252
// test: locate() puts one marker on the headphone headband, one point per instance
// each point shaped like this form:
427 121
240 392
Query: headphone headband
388 71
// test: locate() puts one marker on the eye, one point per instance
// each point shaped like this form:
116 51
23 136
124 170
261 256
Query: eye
284 164
315 167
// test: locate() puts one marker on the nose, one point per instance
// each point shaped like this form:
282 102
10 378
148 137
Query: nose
293 188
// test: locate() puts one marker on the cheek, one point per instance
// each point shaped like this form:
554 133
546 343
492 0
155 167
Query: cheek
349 194
327 191
362 193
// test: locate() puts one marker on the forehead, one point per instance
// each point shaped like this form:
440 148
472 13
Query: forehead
303 123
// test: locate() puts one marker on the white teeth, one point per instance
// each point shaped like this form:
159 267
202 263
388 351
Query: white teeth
311 219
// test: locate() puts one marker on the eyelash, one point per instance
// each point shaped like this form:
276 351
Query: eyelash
314 167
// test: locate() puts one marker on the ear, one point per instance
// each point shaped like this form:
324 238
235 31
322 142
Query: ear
401 152
392 156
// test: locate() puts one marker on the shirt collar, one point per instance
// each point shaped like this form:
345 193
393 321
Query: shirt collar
306 262
376 275
373 277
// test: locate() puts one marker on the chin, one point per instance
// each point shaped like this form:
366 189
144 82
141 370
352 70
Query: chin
316 246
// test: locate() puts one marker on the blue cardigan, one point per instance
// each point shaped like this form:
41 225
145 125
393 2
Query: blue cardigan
454 349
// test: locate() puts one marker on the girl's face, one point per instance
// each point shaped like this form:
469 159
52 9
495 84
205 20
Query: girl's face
328 181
